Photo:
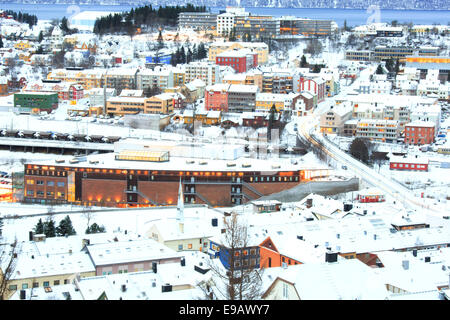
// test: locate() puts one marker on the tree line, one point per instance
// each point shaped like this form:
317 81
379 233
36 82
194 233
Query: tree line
127 22
31 19
185 56
64 228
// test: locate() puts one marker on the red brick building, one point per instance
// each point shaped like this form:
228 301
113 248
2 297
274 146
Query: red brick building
142 178
410 164
240 60
419 132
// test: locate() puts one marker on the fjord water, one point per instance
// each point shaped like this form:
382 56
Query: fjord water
353 17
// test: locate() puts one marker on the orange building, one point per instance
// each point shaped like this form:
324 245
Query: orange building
270 256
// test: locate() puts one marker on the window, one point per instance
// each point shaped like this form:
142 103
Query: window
39 182
46 284
13 287
24 285
56 282
60 184
190 246
237 253
35 284
180 247
285 290
50 183
66 281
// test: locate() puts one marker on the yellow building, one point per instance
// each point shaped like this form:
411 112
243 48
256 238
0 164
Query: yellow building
259 47
89 78
125 105
161 104
22 45
179 78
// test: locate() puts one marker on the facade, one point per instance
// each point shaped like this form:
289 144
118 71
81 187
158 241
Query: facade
159 77
278 82
161 104
378 129
197 20
122 78
282 102
208 72
225 21
293 26
96 96
333 121
261 48
65 90
89 78
370 195
216 97
386 53
359 55
240 60
410 164
315 86
108 181
419 132
35 101
257 27
271 257
241 98
125 105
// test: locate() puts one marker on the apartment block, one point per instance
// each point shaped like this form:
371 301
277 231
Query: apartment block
197 20
240 60
159 77
261 48
257 27
308 27
378 129
208 72
419 132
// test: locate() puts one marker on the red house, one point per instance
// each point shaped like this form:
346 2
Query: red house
370 195
315 86
240 60
419 132
216 97
411 164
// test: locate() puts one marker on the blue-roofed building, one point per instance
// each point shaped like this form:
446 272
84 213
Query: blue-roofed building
164 59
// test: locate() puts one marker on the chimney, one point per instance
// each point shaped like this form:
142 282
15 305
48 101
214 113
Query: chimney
214 222
124 287
427 259
183 262
23 294
30 236
414 252
309 202
405 264
154 267
331 257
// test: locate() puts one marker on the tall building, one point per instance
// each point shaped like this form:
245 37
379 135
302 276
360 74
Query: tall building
197 20
306 27
208 72
257 28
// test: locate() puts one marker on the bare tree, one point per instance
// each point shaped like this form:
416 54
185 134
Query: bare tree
8 260
242 279
88 215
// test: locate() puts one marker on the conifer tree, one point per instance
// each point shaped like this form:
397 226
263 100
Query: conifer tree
39 228
65 227
49 229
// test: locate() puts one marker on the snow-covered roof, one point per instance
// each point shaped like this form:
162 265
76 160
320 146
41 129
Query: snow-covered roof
129 251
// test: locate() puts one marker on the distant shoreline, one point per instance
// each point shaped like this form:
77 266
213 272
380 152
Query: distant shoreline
209 7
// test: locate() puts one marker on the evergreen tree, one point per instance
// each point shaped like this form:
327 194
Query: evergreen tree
49 229
182 55
189 55
1 226
39 228
95 228
65 227
1 42
41 37
201 51
379 69
303 63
